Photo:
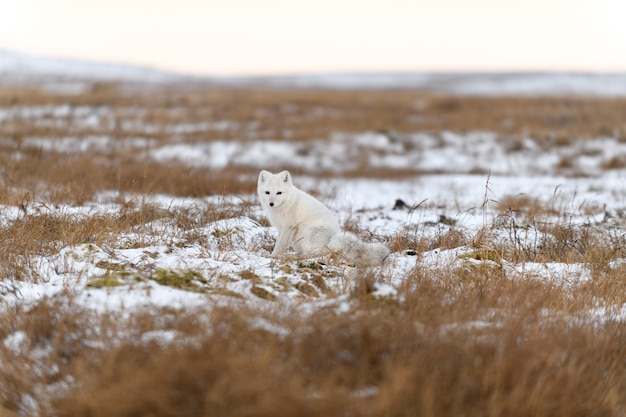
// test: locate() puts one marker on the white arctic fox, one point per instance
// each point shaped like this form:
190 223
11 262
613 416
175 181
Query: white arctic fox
308 225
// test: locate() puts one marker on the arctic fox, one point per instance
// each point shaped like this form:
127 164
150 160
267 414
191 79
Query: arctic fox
308 225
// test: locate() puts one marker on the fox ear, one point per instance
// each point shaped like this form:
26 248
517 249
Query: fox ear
263 175
285 176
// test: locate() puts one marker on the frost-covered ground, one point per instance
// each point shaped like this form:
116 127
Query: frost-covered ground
445 152
228 261
530 205
472 201
464 178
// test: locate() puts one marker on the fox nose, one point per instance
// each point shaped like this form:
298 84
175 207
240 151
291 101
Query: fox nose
271 204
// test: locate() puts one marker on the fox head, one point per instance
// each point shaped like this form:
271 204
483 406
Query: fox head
274 189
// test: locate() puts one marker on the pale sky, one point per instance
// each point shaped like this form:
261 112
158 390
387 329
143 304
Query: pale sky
230 37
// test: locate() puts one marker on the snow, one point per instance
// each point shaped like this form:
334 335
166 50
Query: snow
461 177
15 63
232 245
365 201
427 153
16 341
470 83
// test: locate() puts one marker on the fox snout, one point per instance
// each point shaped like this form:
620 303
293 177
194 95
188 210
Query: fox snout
271 204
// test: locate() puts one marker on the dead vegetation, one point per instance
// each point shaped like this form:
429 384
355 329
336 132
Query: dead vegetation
105 132
401 357
308 114
471 341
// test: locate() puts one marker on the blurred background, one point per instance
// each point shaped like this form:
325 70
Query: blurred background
277 37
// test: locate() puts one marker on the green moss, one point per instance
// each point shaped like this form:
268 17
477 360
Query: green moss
105 282
110 266
180 279
128 276
116 279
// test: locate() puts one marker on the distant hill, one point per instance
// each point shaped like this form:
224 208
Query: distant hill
18 66
22 68
531 83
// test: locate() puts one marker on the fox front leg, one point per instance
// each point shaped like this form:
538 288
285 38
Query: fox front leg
283 241
281 244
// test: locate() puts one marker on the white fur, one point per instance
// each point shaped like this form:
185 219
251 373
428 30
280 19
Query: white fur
305 223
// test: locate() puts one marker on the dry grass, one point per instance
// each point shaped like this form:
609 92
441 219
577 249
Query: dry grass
306 114
77 178
468 340
430 352
472 340
136 121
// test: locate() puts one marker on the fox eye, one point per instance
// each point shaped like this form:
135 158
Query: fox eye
279 193
267 192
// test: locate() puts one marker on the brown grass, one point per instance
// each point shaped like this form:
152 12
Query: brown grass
430 352
169 116
468 340
465 340
472 340
311 114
